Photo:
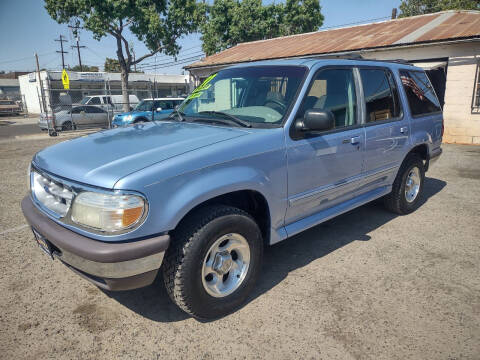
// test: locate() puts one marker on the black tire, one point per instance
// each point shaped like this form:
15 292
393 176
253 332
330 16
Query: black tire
396 201
67 126
183 262
141 120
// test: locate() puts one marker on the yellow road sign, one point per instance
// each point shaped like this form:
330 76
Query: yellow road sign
65 80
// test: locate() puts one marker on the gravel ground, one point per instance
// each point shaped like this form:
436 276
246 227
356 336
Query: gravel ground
366 285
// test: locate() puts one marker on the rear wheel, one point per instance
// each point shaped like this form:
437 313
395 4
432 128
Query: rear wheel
213 262
67 125
407 188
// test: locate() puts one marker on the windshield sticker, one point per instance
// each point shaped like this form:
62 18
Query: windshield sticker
204 86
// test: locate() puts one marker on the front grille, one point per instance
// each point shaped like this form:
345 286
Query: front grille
52 194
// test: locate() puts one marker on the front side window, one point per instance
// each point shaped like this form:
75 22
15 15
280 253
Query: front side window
333 90
381 95
257 95
94 101
144 105
420 94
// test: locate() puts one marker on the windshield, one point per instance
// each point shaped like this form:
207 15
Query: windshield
85 100
257 95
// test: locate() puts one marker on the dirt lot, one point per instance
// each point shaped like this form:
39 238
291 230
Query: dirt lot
366 285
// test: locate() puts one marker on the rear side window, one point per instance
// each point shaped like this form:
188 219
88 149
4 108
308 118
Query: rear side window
381 95
420 94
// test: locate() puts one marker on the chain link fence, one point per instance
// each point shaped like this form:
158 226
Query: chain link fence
89 106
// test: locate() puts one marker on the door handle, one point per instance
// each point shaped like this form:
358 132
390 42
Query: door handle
355 140
404 130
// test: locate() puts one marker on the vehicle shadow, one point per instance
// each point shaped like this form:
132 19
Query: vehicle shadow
298 251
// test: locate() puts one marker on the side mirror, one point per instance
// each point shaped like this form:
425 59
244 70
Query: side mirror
316 120
158 109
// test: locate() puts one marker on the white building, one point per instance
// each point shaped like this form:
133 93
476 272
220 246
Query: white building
98 83
446 44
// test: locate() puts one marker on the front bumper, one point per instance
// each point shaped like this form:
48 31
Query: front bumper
112 266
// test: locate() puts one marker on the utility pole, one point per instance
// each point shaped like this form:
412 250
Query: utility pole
133 52
394 13
61 39
75 33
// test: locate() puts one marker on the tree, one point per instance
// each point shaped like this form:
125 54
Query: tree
111 65
85 68
419 7
229 22
156 23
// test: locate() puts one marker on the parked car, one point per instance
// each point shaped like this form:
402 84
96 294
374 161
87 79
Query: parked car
109 102
256 154
68 118
9 107
144 110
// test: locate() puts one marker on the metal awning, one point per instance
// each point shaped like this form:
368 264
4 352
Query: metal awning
431 64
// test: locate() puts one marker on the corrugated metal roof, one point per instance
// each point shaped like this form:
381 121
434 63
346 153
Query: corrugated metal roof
447 25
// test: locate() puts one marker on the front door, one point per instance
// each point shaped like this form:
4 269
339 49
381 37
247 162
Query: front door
324 169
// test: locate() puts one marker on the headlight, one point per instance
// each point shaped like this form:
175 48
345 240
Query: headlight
128 117
107 212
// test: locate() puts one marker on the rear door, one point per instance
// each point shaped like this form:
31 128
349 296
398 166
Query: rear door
79 115
96 116
324 169
386 128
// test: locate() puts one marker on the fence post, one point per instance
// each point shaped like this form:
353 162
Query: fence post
53 132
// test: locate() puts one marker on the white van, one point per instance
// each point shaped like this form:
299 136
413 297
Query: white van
109 102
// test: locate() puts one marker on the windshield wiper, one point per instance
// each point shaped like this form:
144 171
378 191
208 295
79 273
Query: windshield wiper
230 117
179 113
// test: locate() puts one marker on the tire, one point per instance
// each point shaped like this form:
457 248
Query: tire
67 126
188 283
399 200
141 120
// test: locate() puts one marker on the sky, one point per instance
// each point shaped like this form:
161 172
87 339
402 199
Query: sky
26 28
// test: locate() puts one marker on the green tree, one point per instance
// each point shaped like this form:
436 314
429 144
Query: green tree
85 68
419 7
229 22
156 23
111 65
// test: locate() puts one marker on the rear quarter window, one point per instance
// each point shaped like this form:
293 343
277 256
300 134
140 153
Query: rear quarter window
420 94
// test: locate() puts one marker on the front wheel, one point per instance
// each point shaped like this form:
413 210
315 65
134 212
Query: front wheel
213 262
407 188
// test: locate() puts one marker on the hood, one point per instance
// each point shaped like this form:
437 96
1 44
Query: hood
103 158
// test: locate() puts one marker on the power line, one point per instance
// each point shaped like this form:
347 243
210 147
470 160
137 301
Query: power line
61 39
25 58
172 62
354 23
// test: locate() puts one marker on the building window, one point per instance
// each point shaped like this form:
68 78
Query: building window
476 92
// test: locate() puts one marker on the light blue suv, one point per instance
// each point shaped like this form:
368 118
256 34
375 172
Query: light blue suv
147 110
257 153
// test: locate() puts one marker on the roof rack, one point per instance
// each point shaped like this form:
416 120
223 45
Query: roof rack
360 57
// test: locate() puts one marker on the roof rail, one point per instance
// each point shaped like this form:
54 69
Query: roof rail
360 57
